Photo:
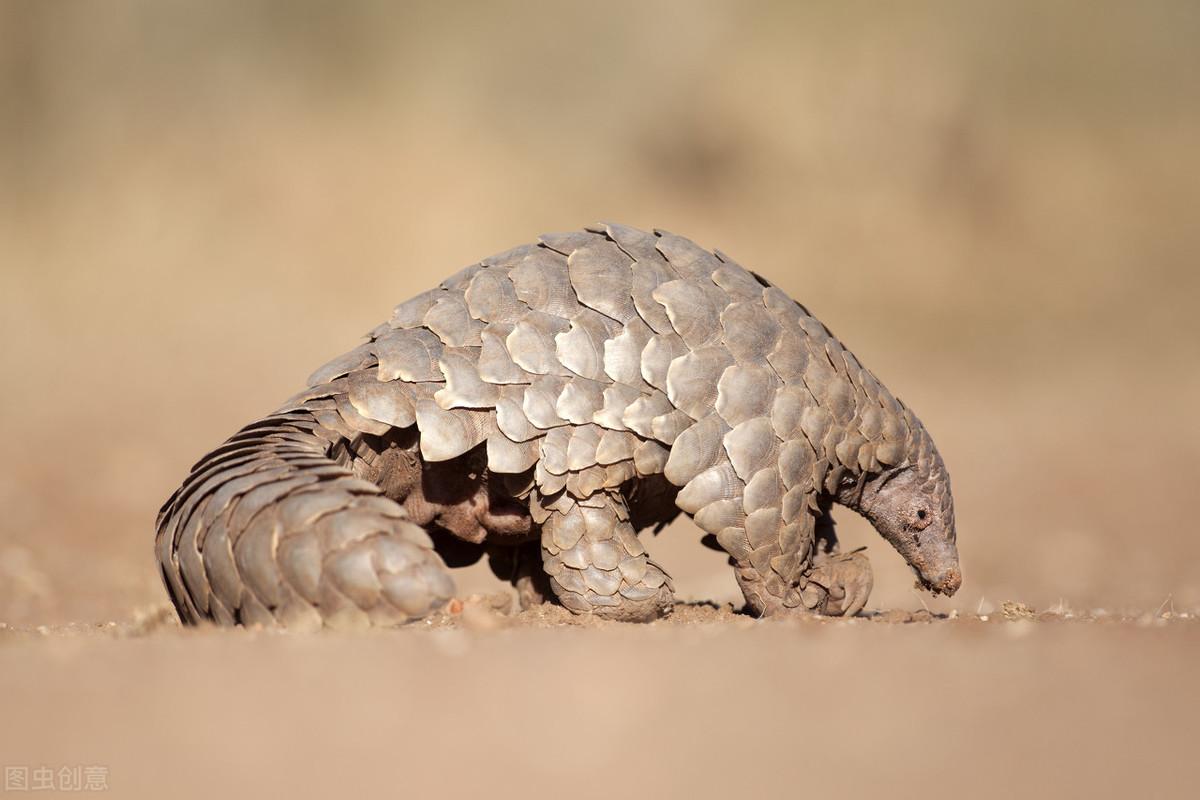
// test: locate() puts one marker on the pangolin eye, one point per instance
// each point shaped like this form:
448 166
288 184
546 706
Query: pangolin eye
922 518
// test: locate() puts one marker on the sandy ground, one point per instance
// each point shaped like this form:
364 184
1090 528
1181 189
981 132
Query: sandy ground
992 204
708 705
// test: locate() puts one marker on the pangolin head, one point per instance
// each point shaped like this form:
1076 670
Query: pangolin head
910 505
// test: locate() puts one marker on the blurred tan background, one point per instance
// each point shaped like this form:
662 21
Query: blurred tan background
993 204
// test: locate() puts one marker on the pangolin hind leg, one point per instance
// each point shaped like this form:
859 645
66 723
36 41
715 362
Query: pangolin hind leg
651 504
467 510
597 564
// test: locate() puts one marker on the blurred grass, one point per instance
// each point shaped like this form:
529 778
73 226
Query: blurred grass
992 204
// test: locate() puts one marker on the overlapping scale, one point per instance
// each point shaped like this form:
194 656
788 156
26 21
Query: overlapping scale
540 400
532 346
464 388
602 280
689 259
359 357
411 355
567 242
657 356
511 418
639 416
718 482
617 399
411 313
750 334
648 274
579 400
642 246
391 403
451 320
745 392
738 283
751 446
696 449
622 355
448 434
692 380
694 308
581 348
495 365
491 297
763 490
541 282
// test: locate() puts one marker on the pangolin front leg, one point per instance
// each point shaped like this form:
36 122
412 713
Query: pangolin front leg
846 578
803 572
844 582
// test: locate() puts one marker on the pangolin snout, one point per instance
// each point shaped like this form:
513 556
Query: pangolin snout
945 582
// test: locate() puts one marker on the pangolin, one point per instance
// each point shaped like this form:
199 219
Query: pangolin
542 407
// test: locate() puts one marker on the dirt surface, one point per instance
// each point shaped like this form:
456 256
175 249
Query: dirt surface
992 204
707 704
